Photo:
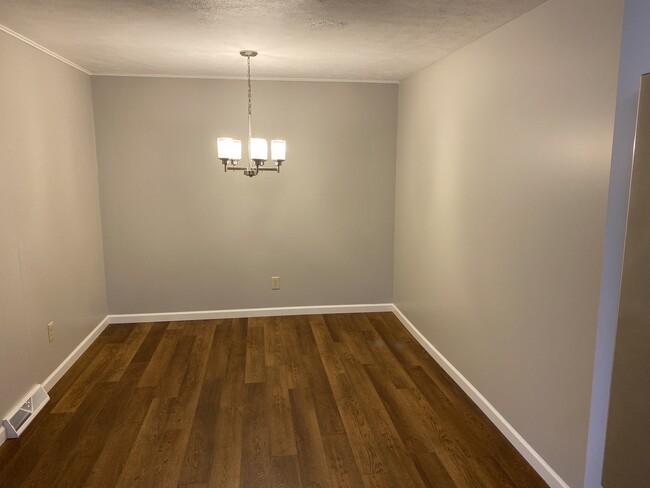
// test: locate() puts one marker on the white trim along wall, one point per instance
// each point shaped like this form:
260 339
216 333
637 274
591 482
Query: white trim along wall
535 460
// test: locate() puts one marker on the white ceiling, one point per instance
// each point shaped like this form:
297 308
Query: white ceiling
318 39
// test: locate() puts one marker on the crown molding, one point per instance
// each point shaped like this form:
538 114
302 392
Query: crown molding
26 40
253 78
43 49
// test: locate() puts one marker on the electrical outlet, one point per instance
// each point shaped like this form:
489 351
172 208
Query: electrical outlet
50 331
275 282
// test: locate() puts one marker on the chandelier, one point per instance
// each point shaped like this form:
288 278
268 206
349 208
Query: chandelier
229 150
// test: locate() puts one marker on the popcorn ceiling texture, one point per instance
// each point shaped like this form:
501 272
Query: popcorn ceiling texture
329 39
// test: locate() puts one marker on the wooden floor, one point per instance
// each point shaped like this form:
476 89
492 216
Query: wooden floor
311 401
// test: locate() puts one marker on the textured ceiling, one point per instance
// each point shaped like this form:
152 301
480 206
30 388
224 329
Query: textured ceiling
326 39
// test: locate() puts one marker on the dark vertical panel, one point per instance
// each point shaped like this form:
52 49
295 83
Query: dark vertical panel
628 430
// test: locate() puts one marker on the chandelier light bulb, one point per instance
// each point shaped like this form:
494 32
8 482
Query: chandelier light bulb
224 148
278 150
259 149
236 150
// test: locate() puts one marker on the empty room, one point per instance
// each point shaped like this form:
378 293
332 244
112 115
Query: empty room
325 243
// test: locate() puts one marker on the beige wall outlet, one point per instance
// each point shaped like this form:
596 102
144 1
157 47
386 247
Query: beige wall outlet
275 282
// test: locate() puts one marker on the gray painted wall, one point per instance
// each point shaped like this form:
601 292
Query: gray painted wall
180 234
504 150
51 265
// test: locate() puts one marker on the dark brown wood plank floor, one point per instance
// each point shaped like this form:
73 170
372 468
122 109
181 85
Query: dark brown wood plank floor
330 401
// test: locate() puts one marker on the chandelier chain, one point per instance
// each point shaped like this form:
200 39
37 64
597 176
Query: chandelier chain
250 99
250 103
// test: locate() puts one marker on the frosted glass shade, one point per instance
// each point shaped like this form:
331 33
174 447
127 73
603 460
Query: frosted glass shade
236 150
259 149
225 147
278 150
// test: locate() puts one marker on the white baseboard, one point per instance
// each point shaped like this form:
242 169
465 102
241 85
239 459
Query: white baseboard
248 312
67 363
534 459
58 373
201 315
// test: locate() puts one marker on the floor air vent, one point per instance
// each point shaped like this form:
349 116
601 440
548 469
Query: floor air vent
20 417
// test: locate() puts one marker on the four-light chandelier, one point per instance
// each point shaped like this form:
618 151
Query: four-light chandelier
229 150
